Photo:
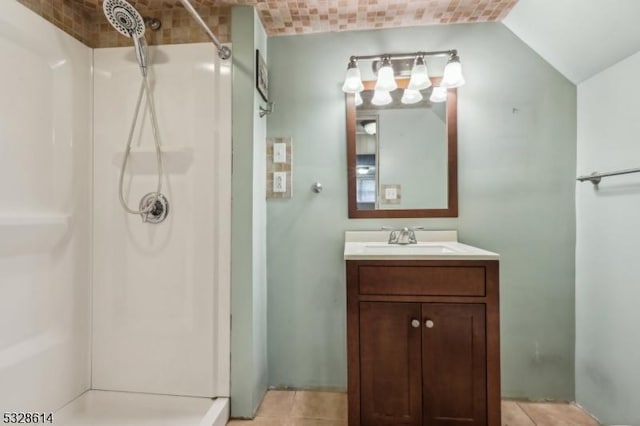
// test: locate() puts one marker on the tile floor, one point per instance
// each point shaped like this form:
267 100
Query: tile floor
518 413
307 408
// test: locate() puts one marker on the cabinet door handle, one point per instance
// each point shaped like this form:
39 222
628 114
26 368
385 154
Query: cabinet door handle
429 324
415 323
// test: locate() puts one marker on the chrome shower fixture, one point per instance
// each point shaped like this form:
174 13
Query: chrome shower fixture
223 51
128 22
153 23
155 208
266 111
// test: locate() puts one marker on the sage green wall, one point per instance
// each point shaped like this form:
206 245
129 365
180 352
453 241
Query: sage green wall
517 156
248 223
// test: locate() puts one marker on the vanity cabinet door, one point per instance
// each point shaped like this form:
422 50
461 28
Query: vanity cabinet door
454 364
423 343
390 364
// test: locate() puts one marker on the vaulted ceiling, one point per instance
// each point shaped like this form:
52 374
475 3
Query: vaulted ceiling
578 37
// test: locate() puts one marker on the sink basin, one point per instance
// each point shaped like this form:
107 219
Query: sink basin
432 245
425 248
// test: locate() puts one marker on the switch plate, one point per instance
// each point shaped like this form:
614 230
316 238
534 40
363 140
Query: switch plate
390 193
279 167
280 152
280 182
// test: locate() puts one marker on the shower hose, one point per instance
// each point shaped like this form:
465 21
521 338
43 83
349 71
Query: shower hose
144 88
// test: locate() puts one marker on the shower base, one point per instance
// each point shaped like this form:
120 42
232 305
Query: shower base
106 408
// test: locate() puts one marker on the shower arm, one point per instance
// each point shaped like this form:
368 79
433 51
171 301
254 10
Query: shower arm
223 51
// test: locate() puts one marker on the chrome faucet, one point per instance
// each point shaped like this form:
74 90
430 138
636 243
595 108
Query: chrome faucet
404 235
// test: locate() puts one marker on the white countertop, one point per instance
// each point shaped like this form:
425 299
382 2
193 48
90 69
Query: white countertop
432 245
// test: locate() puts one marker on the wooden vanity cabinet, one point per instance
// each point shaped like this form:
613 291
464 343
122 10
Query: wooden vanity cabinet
423 343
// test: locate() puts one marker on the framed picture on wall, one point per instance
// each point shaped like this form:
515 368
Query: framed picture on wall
262 78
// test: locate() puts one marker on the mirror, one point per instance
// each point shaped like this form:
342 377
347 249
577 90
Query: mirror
402 158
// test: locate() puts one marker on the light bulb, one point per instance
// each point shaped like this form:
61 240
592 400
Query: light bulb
358 99
381 97
419 75
352 80
411 96
453 73
438 94
386 80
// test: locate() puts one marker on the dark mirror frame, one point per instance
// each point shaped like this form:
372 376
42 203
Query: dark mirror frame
452 159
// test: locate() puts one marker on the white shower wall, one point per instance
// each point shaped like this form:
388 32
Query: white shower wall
161 292
45 204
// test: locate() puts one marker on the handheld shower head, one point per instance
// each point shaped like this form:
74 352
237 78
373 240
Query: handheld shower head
124 18
128 22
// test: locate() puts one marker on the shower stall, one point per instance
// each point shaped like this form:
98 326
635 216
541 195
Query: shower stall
107 319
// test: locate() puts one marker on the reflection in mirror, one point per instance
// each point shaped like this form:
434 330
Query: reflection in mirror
402 155
366 161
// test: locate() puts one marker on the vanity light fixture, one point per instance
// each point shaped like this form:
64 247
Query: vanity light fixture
418 81
353 81
358 99
438 94
386 80
419 76
453 73
411 96
381 97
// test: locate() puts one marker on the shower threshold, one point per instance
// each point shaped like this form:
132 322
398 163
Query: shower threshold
107 408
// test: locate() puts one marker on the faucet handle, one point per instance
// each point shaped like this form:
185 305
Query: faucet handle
394 234
404 235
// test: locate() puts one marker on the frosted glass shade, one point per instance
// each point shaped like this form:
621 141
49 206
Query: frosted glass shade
358 99
439 94
352 80
386 80
411 96
419 76
381 97
452 75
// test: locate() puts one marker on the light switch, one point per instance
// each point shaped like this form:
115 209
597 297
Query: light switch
280 182
390 193
280 152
